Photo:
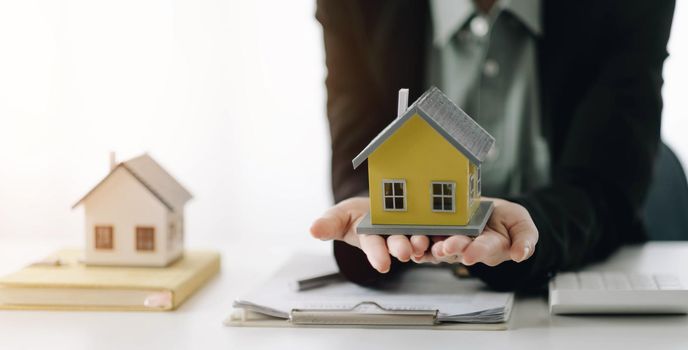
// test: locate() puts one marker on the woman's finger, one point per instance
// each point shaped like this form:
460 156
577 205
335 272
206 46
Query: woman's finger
376 250
419 245
333 224
399 247
426 258
437 249
340 221
429 258
524 237
490 248
455 245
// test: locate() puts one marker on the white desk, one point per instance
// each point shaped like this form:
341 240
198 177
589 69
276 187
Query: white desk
198 323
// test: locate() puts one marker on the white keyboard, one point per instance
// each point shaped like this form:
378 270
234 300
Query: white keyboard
617 293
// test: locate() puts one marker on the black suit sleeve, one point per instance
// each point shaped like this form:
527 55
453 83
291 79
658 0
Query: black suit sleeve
603 172
353 108
353 115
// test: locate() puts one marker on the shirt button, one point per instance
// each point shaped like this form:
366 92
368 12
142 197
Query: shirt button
491 68
479 26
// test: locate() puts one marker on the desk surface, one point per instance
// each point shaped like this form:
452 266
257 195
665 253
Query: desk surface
199 321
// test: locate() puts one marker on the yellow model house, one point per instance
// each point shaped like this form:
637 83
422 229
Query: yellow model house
424 170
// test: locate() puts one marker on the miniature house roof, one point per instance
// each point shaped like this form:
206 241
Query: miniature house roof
154 178
447 119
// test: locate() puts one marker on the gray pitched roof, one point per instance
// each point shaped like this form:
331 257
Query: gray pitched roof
154 178
448 119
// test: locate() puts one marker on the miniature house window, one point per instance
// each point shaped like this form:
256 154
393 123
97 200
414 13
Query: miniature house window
394 195
472 192
443 197
103 237
479 184
145 238
181 230
171 235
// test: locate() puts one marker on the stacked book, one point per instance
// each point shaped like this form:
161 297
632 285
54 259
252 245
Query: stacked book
62 282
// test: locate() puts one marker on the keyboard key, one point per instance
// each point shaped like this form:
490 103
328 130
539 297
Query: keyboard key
566 281
616 281
590 280
667 282
602 292
642 282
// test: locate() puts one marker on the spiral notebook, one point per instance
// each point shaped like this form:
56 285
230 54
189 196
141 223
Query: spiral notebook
421 297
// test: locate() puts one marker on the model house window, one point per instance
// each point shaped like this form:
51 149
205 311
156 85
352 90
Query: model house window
443 196
181 230
103 237
171 235
394 195
479 184
472 189
145 238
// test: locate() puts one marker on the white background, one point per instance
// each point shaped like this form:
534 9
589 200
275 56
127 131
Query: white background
228 95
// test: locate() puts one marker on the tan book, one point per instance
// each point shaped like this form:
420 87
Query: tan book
63 282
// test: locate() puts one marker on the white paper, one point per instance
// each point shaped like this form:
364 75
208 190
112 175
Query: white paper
423 288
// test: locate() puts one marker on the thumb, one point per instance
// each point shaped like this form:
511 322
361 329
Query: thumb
336 222
524 237
331 225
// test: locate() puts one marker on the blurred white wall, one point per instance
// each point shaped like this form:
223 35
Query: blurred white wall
675 116
228 95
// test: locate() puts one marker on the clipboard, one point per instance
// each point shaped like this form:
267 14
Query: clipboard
422 298
364 315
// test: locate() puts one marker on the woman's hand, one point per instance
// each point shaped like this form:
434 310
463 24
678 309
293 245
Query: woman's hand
339 223
510 234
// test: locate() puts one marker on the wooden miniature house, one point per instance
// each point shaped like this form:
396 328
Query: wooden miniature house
135 215
424 167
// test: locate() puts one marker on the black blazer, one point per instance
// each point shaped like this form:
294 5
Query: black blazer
600 68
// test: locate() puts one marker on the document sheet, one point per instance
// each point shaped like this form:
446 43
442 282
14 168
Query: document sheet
422 288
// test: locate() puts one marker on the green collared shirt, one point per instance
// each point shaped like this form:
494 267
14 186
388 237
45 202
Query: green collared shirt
486 63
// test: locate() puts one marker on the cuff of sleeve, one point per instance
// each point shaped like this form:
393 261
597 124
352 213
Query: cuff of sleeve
530 275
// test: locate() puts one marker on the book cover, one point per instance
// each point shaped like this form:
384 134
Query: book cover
62 282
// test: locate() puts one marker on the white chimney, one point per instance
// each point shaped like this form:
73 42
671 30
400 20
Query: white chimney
113 161
402 106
